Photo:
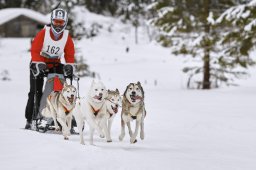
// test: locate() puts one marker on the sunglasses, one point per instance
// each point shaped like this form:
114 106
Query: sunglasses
58 22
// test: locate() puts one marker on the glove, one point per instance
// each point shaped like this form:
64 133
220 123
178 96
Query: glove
68 70
38 68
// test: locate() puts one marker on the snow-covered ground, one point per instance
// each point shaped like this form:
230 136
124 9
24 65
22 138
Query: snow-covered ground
185 129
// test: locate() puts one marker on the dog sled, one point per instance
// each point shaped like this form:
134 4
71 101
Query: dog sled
54 82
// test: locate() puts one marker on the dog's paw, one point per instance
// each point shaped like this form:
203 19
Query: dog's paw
66 133
82 143
133 140
102 135
65 138
121 137
110 140
57 128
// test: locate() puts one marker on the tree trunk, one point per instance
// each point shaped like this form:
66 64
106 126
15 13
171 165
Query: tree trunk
206 77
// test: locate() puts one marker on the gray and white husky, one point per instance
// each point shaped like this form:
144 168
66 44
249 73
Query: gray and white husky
93 109
113 102
59 106
133 108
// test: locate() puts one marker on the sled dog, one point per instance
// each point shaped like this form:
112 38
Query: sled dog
93 109
113 102
59 106
133 108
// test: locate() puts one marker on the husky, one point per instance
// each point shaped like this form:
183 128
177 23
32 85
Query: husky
113 102
59 106
93 109
133 108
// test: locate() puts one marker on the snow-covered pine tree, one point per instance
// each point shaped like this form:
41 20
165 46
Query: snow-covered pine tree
106 7
10 4
239 40
134 11
189 28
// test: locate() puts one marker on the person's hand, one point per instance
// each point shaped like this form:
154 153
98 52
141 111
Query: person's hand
38 68
68 70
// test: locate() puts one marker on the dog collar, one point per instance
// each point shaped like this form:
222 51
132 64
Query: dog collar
95 112
111 114
66 110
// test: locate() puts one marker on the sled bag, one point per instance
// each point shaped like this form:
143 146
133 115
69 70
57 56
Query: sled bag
57 85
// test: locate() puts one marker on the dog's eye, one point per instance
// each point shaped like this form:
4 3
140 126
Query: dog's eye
68 91
74 91
137 88
112 99
102 89
130 88
96 89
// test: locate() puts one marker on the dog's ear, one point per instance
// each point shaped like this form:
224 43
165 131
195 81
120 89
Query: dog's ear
138 83
126 89
108 91
65 84
117 91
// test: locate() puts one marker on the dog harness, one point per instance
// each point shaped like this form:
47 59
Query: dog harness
95 112
66 110
110 114
113 103
134 117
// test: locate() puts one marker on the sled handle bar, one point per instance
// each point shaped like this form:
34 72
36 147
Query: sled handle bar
46 72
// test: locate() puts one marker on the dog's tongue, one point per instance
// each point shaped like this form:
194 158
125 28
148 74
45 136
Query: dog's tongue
115 109
71 99
138 97
97 97
135 98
